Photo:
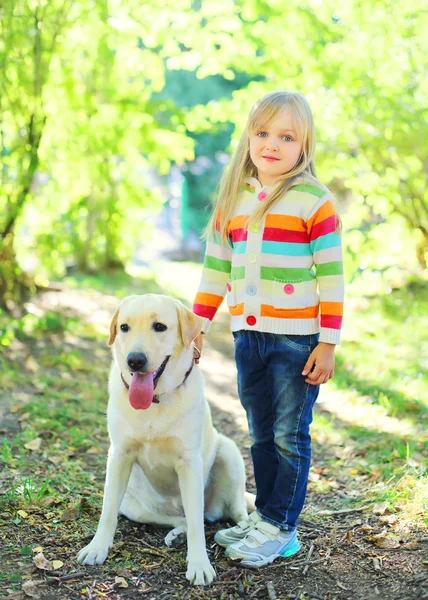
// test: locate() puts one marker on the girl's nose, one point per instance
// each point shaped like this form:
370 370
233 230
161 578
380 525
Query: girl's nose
272 145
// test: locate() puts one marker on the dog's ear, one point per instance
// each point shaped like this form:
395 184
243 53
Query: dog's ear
190 324
113 328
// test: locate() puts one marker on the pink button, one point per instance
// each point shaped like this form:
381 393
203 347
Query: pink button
288 289
262 196
251 320
229 287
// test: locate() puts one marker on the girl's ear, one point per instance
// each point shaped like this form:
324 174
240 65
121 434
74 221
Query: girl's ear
189 323
113 328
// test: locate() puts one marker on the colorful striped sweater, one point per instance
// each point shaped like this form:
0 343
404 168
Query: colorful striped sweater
283 275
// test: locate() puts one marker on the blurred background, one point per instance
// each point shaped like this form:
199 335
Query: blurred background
116 121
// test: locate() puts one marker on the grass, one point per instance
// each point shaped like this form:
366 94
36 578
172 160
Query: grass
371 428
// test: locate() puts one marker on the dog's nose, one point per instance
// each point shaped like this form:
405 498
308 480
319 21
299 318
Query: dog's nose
137 361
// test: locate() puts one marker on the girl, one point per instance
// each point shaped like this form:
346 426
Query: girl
274 248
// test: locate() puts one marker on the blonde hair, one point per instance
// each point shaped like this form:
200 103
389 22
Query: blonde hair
241 166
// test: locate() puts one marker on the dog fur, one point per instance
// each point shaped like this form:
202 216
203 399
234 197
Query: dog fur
167 465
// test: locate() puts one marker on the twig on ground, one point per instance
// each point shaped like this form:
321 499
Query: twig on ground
68 577
311 549
229 572
316 562
271 591
256 592
343 511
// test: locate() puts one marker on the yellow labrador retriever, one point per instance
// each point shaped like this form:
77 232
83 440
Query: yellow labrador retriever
166 464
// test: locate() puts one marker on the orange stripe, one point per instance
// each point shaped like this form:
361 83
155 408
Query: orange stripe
289 313
238 222
285 222
208 299
332 308
325 211
237 310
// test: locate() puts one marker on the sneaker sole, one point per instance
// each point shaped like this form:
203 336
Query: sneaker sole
291 549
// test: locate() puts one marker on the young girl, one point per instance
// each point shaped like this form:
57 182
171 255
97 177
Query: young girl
274 248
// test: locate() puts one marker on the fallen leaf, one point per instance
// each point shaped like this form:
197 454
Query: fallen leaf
41 562
385 540
57 564
388 519
410 545
30 588
22 514
33 444
55 460
123 572
347 537
24 417
120 582
375 475
70 514
38 549
95 450
380 508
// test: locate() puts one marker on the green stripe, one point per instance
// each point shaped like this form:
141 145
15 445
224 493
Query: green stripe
237 273
331 268
217 264
272 273
311 189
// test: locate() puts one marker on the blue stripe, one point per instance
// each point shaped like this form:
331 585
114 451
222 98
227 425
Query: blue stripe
239 247
326 241
286 248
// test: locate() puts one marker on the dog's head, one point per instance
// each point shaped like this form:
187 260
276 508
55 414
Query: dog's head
144 331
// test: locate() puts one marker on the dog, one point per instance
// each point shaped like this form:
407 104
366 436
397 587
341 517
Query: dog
167 464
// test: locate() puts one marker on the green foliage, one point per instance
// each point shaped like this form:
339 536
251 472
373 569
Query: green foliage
94 96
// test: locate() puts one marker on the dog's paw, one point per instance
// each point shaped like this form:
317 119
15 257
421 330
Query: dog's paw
200 572
93 554
176 537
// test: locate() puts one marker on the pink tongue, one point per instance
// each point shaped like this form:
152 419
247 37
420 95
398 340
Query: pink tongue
141 390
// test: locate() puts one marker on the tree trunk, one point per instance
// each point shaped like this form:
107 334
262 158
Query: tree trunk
15 284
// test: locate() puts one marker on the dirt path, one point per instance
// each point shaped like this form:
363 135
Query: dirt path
339 559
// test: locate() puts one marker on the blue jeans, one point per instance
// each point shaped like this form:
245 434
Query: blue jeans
279 405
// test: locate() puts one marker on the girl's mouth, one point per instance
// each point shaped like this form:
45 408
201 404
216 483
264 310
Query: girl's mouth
270 158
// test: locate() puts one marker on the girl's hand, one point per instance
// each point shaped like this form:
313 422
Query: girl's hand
323 359
198 341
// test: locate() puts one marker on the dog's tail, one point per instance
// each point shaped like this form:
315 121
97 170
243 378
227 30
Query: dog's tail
250 501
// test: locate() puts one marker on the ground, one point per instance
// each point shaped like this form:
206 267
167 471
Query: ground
52 422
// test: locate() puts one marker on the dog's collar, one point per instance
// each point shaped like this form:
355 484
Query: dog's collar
196 357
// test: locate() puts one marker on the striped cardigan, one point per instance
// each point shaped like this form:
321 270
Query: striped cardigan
283 275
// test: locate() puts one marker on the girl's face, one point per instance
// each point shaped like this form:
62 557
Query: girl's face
275 148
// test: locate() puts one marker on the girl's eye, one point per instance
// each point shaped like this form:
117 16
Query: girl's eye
262 134
124 327
159 327
287 138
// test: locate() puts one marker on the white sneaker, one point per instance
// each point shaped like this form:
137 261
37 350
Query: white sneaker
226 537
264 544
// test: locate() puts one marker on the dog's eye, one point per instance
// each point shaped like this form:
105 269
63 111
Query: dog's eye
159 327
124 327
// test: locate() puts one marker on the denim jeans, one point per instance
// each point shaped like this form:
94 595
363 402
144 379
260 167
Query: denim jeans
279 405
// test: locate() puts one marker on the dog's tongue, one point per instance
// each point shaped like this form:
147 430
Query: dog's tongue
141 390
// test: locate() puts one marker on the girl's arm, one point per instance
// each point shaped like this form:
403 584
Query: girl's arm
215 274
326 246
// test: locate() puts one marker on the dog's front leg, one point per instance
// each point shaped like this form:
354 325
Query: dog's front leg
190 476
119 465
